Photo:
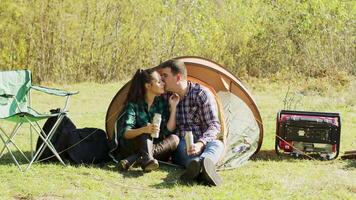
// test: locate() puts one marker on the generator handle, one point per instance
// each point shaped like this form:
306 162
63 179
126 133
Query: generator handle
311 119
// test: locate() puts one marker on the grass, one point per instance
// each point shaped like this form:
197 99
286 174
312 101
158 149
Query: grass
266 176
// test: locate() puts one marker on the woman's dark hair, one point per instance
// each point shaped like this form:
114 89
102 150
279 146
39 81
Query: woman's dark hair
137 89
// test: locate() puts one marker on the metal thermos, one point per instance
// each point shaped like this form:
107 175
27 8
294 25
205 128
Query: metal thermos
156 120
189 139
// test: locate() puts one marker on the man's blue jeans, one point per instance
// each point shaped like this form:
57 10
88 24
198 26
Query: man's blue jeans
213 150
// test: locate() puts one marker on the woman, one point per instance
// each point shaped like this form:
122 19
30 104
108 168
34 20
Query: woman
143 101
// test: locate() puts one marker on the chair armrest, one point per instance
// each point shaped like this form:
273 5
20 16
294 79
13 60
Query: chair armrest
53 91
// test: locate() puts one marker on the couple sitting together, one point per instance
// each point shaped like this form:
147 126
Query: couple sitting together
183 106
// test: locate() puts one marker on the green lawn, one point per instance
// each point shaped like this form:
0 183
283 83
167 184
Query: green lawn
266 176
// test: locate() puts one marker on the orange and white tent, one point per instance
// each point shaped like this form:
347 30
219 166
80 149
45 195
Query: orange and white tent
242 128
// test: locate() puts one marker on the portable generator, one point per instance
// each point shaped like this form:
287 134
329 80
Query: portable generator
301 132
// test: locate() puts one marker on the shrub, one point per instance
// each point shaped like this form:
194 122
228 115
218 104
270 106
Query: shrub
91 40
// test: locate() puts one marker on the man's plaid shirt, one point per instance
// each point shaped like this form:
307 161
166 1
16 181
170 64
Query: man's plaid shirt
197 112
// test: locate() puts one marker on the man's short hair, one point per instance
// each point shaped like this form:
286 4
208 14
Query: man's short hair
176 66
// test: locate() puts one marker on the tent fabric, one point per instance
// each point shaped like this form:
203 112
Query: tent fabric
243 131
243 122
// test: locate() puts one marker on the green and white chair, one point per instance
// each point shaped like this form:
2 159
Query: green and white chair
15 106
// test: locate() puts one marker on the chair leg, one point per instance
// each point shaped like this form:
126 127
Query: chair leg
9 140
46 141
49 136
31 140
12 155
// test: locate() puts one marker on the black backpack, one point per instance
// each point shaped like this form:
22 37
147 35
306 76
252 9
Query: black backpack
90 146
59 138
87 145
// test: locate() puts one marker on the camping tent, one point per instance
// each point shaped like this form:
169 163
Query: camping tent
243 123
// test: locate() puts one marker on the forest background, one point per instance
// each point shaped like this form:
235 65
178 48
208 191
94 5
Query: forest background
105 40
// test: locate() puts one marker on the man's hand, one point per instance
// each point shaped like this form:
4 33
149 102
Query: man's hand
196 149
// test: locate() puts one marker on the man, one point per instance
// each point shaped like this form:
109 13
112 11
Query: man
196 112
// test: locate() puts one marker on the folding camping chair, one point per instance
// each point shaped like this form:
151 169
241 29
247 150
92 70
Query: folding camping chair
15 106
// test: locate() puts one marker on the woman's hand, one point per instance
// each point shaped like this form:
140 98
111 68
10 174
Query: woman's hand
173 100
151 128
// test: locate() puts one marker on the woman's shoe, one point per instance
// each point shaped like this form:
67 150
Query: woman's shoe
126 163
150 165
123 165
